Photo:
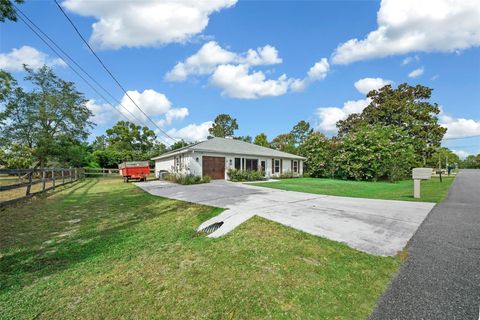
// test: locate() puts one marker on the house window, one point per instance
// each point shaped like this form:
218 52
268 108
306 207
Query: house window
276 166
251 165
295 166
237 164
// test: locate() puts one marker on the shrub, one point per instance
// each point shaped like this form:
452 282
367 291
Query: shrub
375 152
240 175
185 179
286 175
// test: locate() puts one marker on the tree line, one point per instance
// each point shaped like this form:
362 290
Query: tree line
49 124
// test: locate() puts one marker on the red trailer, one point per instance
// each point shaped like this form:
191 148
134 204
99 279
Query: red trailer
134 170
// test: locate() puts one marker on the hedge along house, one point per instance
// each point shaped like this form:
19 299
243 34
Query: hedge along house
216 156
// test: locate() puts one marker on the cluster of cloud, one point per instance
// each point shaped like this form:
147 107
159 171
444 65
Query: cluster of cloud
146 23
416 26
211 55
15 59
231 72
329 116
192 132
459 127
155 104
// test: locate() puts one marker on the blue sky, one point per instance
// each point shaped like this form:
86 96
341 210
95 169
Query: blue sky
142 42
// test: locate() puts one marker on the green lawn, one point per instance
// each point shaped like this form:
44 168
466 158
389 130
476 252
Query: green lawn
431 190
102 249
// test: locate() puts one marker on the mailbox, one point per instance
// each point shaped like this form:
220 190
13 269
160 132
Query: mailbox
422 173
417 175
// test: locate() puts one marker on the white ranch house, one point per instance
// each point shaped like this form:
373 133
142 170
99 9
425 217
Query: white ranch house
216 156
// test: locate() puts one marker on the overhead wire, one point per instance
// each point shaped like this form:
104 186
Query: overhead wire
110 73
29 24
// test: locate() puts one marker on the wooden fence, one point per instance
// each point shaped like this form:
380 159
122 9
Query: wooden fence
104 172
33 182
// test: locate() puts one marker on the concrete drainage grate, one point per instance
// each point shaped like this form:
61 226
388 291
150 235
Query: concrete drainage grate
211 228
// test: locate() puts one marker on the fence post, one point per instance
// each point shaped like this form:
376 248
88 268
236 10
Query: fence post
53 179
29 186
43 179
76 174
63 176
103 171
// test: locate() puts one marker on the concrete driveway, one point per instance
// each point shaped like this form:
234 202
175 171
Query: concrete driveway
380 227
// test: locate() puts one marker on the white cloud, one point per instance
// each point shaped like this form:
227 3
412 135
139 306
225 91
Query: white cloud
155 104
459 127
237 82
262 56
146 23
102 113
329 116
410 59
317 72
173 114
462 154
416 73
152 102
366 85
211 55
413 26
231 72
192 132
15 59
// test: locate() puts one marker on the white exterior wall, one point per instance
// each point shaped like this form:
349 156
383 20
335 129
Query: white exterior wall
163 165
191 163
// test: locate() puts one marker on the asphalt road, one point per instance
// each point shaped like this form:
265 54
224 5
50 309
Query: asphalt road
441 278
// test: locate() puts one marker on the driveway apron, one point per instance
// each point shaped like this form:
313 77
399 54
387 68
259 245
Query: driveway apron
380 227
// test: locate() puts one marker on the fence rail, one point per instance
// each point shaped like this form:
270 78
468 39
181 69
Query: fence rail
103 172
49 178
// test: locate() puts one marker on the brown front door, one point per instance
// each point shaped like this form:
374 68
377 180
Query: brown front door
214 167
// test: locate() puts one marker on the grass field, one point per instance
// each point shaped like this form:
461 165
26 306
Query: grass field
431 190
102 249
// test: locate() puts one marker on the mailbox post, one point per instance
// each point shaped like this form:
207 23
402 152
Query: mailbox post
419 174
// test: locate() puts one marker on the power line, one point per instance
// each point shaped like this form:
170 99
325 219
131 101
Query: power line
459 138
74 70
74 62
109 72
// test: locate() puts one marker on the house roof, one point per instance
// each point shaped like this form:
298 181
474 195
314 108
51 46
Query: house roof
231 146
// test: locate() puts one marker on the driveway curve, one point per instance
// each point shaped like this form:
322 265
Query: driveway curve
380 227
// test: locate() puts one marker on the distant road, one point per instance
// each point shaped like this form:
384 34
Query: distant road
441 278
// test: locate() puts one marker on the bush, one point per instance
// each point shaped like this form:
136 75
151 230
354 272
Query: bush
375 152
185 179
240 175
286 175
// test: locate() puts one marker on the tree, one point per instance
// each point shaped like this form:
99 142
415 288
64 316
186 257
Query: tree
318 150
284 142
178 144
374 152
261 140
471 162
223 126
406 107
7 10
54 111
126 141
244 138
300 132
442 157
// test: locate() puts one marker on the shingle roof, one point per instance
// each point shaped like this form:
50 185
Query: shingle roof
232 146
